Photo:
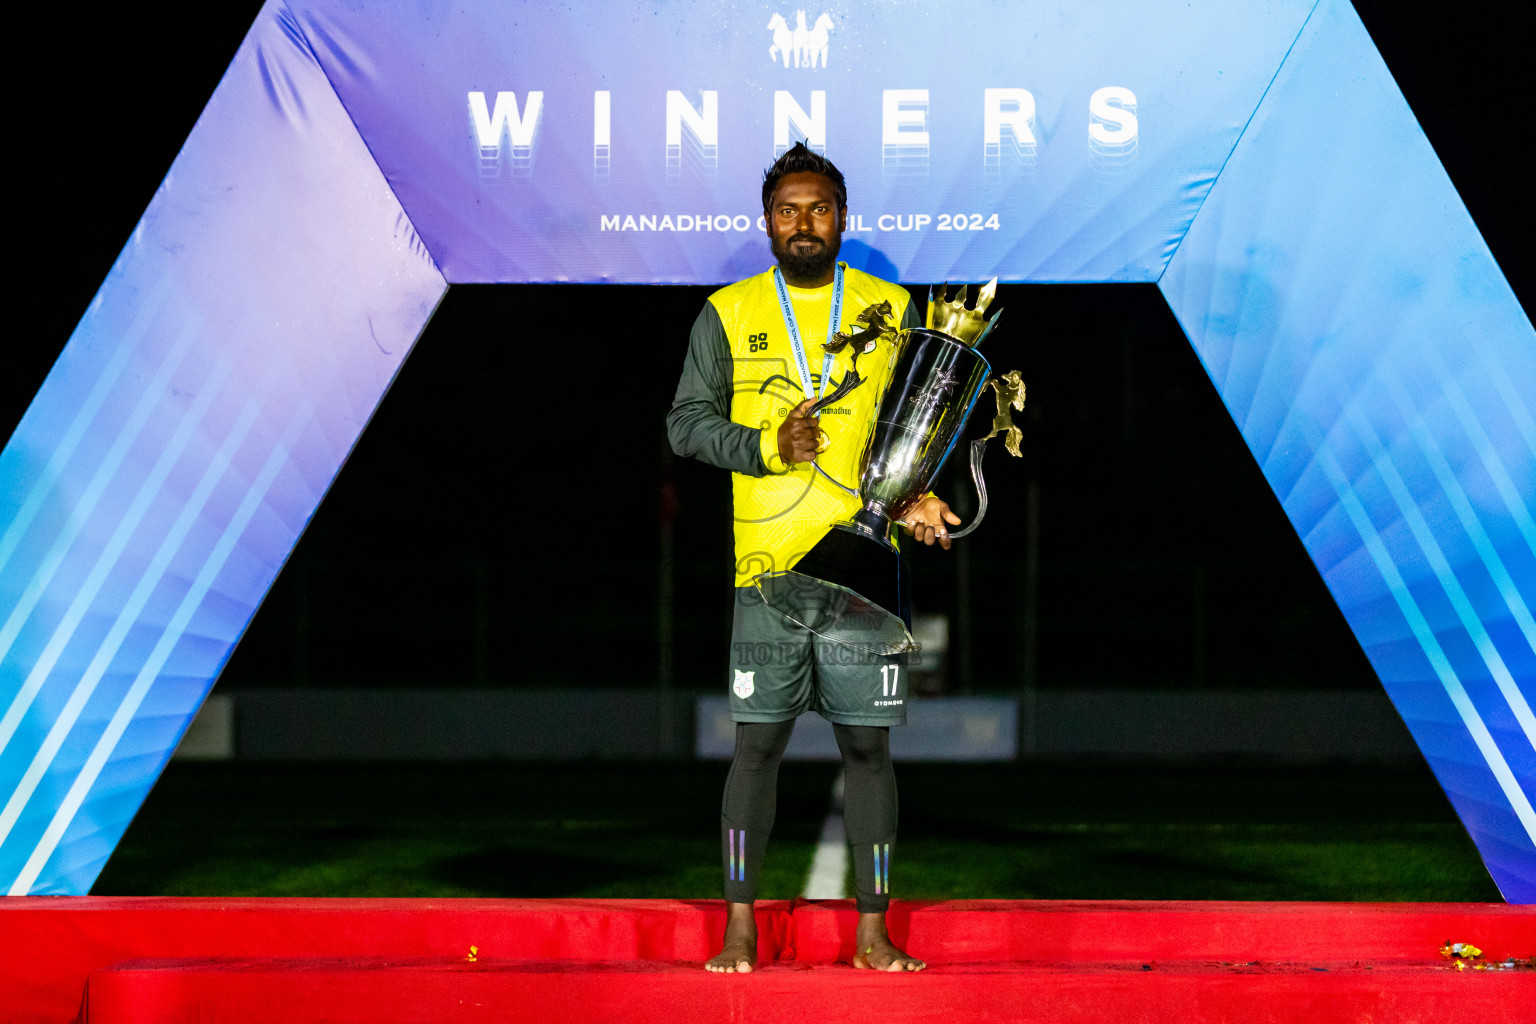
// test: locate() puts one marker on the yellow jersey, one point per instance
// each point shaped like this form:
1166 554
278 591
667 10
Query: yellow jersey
780 510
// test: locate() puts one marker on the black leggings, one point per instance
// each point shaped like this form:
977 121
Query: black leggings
751 802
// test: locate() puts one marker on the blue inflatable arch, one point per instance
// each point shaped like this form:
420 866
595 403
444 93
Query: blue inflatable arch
353 164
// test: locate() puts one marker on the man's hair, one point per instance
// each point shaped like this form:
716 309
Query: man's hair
798 160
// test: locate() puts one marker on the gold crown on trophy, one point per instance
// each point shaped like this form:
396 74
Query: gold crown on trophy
949 316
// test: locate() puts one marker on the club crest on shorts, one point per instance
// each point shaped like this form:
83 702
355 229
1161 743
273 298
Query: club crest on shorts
743 684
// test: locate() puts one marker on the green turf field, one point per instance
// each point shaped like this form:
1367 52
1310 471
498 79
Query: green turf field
647 830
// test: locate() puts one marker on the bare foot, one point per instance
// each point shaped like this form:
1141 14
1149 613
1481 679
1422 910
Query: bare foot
875 949
738 954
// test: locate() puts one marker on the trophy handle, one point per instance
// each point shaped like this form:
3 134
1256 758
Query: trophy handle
978 449
850 380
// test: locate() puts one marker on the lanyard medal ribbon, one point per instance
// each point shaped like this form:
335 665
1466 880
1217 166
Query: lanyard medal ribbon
796 345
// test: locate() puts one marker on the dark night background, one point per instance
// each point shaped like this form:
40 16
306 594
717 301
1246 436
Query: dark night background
489 531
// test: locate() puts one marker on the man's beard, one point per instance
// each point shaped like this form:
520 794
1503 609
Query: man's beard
804 270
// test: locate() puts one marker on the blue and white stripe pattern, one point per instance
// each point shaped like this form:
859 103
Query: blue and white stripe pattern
165 471
1382 374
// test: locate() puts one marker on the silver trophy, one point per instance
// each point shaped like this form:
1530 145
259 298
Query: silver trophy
848 587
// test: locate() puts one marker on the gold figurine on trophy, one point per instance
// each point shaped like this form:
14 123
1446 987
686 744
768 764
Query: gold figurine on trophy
874 323
1009 391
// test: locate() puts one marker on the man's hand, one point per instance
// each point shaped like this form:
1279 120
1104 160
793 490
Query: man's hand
926 520
799 435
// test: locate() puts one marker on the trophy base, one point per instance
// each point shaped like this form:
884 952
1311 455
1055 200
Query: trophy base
845 589
872 526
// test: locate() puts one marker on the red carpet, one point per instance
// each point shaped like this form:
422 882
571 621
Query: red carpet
147 961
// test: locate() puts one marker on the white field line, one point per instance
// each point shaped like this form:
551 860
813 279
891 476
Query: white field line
829 867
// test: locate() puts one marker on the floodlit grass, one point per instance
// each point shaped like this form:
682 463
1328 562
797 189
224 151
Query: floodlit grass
1215 832
448 830
1217 862
647 830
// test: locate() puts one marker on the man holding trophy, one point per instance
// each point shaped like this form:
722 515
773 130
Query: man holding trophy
774 393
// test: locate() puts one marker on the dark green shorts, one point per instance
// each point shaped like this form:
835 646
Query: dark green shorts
780 670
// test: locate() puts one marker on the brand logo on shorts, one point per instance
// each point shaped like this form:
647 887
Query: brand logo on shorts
743 684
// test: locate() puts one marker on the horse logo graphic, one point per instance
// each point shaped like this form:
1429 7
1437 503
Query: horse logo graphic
805 46
743 684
